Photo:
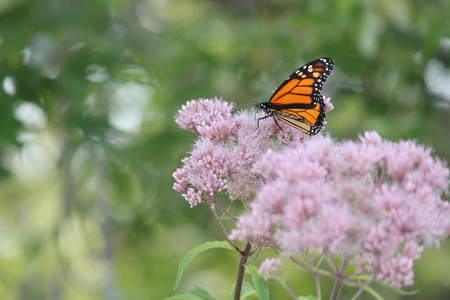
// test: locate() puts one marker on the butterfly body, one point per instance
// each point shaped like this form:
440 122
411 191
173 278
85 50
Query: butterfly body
298 101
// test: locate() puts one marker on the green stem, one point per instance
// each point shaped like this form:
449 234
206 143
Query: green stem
286 287
222 227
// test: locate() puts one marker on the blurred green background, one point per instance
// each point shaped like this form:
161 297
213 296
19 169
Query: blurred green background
88 141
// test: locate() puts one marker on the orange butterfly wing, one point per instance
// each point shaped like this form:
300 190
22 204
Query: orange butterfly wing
304 86
298 101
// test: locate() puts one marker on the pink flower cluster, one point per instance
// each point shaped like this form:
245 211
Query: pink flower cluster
374 201
269 267
227 146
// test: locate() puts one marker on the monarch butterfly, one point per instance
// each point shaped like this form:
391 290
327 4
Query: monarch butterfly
298 101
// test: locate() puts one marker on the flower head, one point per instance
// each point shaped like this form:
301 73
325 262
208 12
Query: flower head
269 267
374 200
227 147
205 116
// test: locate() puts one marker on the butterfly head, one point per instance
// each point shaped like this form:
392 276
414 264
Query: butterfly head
265 107
261 106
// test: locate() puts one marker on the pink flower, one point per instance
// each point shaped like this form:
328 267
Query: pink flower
328 105
224 153
375 201
397 271
269 267
193 197
203 116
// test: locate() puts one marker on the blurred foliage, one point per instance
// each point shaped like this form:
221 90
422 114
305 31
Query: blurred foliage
88 142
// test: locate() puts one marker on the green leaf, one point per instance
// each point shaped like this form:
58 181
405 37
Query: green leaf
373 292
202 293
191 254
184 296
259 282
309 297
399 291
362 277
322 257
247 290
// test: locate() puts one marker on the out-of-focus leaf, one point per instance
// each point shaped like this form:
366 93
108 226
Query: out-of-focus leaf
185 296
259 282
309 297
396 289
194 252
372 292
202 293
247 290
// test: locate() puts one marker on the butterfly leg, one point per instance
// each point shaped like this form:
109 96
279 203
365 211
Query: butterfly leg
262 118
276 122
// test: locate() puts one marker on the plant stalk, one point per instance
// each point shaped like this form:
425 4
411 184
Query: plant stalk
240 278
339 280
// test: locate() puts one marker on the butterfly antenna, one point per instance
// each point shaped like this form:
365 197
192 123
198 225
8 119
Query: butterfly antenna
246 106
